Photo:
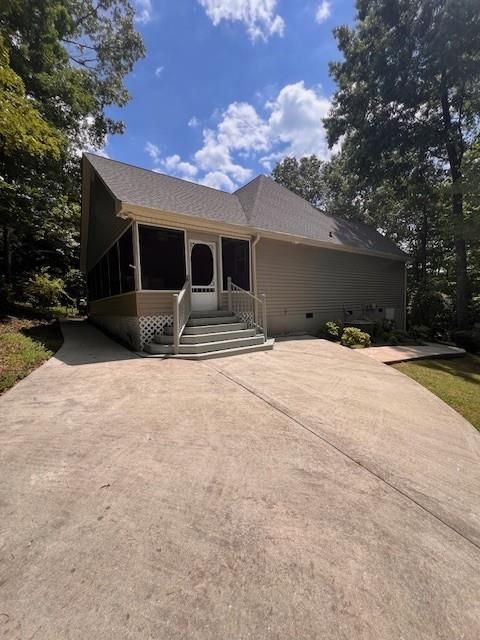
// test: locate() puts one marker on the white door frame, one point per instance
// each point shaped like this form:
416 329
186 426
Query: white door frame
204 297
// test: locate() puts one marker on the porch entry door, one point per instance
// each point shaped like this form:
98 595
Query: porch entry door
203 274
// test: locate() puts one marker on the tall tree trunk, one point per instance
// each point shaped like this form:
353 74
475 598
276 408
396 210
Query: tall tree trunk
7 254
461 277
423 247
454 147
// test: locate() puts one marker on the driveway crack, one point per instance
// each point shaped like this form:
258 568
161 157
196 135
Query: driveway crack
276 406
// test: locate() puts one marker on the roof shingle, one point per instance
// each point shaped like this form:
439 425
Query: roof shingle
260 205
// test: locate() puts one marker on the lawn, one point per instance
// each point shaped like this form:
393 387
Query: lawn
24 345
454 380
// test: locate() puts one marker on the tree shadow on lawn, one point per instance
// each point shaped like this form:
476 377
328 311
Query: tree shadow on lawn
466 367
47 334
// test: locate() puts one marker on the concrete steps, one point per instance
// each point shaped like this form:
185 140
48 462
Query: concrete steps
209 334
211 328
204 347
209 320
197 338
217 313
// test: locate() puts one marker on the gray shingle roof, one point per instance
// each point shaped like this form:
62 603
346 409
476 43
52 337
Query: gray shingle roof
261 205
146 188
271 207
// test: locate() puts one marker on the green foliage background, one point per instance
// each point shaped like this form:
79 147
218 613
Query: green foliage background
62 63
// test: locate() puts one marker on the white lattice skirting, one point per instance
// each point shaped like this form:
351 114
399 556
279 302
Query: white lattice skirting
150 326
246 316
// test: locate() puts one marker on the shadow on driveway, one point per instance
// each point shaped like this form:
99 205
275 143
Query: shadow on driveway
85 344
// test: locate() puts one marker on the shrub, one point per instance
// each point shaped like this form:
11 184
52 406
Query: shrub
75 284
44 291
401 335
353 337
421 332
377 330
330 331
468 339
393 340
432 309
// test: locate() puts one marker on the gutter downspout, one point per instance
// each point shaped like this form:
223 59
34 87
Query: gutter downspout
254 263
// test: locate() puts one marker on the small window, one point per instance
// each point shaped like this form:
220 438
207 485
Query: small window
125 247
162 258
236 262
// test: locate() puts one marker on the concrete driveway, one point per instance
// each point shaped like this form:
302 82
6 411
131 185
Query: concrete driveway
308 492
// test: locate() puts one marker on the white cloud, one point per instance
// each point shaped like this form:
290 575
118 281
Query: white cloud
323 12
193 122
295 122
242 128
218 180
258 16
143 11
158 71
290 124
153 151
174 164
215 155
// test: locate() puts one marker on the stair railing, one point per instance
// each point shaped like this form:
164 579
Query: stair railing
249 308
182 308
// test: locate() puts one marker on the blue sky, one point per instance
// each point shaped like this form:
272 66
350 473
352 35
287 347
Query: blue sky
228 87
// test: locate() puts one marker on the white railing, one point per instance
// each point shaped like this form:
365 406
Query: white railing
182 308
248 307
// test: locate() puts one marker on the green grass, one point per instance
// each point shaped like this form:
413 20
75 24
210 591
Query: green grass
24 345
454 380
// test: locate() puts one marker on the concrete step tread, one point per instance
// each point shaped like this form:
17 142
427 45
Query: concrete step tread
266 346
214 313
153 347
216 336
209 328
197 322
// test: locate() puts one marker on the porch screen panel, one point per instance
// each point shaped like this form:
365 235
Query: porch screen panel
162 258
125 247
114 270
92 294
104 279
236 262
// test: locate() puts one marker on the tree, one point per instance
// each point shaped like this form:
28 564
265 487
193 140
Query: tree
25 137
23 130
409 83
71 58
304 177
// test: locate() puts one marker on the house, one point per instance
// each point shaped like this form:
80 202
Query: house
175 267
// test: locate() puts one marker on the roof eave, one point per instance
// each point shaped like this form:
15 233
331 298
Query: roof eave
128 210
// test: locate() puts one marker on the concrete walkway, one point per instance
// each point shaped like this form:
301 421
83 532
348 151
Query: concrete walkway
308 492
393 354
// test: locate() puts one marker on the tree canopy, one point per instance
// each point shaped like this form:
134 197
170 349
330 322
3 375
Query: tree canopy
62 64
408 96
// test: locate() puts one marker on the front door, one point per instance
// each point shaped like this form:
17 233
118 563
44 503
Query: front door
203 274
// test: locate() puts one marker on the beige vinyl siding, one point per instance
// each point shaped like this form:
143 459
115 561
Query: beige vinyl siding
122 305
300 279
104 226
154 303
